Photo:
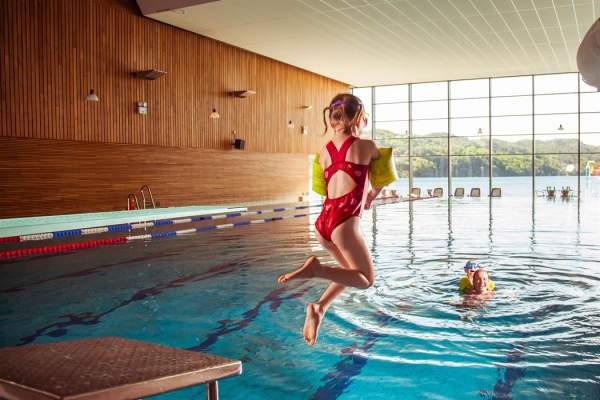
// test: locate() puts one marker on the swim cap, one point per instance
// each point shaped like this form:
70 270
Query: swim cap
474 266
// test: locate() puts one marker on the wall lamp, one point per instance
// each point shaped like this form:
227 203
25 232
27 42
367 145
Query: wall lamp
243 93
92 96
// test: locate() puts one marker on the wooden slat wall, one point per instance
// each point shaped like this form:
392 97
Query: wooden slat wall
54 52
61 154
72 177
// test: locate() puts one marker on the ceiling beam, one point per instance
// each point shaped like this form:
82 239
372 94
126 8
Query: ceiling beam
155 6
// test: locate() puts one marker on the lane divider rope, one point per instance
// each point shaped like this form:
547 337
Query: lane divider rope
144 225
150 224
68 247
63 248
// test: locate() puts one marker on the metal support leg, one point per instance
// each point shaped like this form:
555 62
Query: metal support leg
212 390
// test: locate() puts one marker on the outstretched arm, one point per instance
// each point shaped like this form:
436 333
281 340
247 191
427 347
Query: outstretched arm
374 151
372 195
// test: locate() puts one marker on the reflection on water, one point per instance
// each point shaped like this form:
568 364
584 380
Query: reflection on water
411 336
539 327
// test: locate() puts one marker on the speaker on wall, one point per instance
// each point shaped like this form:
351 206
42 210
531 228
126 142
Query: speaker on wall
239 144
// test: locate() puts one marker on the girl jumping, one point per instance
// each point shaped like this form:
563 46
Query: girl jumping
345 161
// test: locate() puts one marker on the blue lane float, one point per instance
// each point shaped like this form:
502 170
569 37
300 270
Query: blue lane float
150 224
215 227
11 254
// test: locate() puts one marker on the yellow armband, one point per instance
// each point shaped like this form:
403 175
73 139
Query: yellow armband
382 170
464 284
318 178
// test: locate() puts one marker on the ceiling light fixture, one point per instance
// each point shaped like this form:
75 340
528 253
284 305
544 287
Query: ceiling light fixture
150 74
214 114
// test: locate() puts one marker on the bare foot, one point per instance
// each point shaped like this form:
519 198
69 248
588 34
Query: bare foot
314 316
305 272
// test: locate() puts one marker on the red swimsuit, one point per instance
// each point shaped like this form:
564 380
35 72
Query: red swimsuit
335 211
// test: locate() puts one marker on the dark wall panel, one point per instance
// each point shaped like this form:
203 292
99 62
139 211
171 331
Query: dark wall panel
42 176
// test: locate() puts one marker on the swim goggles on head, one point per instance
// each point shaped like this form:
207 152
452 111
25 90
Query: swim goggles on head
472 265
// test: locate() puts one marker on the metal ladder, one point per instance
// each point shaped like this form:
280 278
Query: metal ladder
145 203
135 202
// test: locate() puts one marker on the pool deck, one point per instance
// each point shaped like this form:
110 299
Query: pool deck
34 225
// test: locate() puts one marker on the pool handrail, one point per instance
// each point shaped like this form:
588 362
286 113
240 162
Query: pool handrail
144 197
137 204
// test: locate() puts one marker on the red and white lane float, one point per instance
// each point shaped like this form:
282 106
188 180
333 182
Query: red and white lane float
69 247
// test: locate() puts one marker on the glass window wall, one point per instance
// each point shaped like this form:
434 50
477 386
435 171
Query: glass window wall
522 133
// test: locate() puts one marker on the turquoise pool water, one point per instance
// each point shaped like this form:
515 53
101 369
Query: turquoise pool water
411 336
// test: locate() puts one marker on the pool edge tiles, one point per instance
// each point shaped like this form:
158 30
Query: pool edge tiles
36 225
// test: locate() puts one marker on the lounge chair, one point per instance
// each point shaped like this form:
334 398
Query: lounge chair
475 192
565 192
496 192
415 192
438 192
459 192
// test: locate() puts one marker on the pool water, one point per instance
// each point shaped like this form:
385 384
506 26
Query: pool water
411 336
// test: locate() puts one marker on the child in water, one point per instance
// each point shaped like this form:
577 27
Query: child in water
345 161
478 294
466 283
482 284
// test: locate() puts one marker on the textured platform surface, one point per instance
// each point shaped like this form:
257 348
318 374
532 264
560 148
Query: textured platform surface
105 368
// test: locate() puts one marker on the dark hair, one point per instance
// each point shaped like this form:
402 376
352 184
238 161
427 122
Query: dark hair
344 111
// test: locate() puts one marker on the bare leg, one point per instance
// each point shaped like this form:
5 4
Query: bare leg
349 241
306 271
334 289
316 311
351 251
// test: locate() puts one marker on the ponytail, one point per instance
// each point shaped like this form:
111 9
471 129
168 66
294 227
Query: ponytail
325 119
345 109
